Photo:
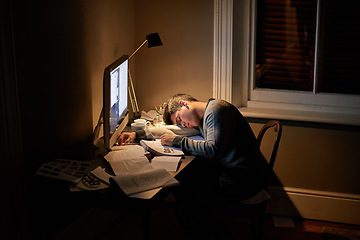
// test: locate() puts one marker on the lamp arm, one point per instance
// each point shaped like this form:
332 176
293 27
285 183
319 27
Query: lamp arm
138 48
131 99
134 95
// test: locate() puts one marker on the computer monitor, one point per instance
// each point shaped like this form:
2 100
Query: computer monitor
115 102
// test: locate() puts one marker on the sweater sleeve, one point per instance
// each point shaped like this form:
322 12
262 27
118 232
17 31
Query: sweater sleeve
218 132
156 132
206 148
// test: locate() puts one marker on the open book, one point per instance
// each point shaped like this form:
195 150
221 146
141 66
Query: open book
134 173
155 148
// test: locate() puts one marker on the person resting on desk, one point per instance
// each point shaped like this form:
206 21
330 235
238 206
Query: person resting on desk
229 164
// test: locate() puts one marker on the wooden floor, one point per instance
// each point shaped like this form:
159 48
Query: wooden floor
108 225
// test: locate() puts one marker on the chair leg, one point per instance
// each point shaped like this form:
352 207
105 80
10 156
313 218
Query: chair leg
147 212
257 223
262 220
253 225
260 234
147 224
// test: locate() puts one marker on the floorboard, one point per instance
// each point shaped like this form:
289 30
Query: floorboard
165 225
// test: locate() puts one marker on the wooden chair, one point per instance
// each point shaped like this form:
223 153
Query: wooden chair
254 208
278 129
257 218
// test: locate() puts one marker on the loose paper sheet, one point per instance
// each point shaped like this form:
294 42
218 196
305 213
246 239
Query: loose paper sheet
169 163
139 182
128 160
64 169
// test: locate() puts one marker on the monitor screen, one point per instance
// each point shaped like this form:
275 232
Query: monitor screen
115 100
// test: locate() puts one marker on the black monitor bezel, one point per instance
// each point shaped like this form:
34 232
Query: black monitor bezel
109 139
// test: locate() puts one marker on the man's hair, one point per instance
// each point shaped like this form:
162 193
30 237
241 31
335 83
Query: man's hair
172 105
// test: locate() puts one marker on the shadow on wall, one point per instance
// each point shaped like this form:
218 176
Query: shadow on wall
280 203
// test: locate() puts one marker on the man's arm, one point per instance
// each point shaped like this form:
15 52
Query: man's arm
219 132
207 148
177 130
155 132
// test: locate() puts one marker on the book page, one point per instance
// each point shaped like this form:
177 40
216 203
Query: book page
101 174
133 171
168 162
128 160
124 152
138 182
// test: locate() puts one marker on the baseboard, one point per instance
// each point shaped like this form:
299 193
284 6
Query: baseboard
313 204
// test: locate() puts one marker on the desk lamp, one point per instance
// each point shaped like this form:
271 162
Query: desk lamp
153 40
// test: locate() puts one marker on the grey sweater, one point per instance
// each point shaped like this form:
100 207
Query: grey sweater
231 146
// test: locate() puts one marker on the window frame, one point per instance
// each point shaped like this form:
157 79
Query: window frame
301 100
283 104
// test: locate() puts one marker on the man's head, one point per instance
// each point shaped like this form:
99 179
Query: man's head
176 103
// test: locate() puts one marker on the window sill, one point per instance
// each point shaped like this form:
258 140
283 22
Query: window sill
302 116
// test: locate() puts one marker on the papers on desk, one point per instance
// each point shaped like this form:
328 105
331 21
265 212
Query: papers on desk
150 115
132 183
64 169
128 159
97 179
133 171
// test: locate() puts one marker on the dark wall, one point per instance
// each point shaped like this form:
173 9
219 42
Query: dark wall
56 44
53 82
61 50
185 62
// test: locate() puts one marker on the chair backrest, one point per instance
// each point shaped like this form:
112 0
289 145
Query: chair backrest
278 129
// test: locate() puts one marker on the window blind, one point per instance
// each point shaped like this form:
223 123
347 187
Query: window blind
285 46
285 43
339 62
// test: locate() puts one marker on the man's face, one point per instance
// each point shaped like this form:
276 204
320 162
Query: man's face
185 117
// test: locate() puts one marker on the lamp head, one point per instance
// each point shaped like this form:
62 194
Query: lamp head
153 40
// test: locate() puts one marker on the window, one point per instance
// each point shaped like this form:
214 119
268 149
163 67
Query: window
310 73
286 41
285 44
306 54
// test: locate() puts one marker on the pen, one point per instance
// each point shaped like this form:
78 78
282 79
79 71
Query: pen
157 110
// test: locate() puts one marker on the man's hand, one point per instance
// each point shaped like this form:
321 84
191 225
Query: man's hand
167 139
126 138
